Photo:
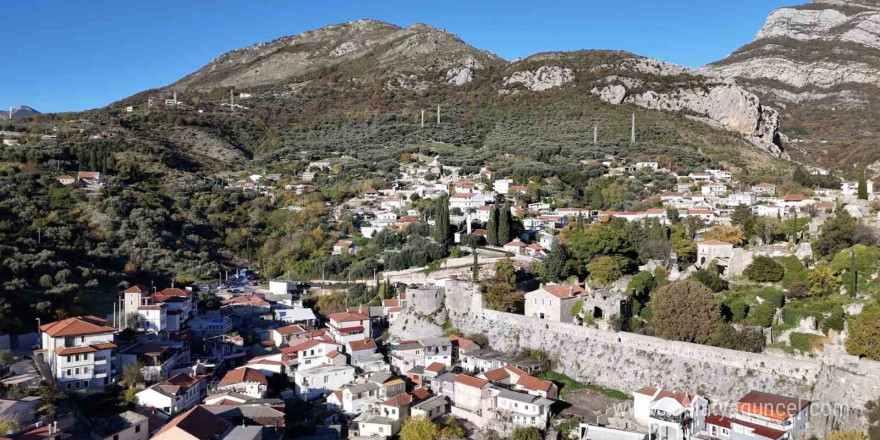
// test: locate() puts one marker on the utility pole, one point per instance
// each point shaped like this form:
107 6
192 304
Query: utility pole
632 138
423 118
438 114
595 135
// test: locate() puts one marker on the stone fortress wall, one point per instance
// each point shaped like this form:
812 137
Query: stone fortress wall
837 383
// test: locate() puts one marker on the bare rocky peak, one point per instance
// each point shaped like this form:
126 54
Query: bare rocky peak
859 25
385 51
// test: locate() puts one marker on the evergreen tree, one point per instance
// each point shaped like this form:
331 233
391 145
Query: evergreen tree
556 267
594 198
505 225
863 186
492 227
441 222
476 268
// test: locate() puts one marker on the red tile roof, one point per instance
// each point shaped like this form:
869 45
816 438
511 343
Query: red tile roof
399 400
794 198
462 342
496 375
197 422
713 243
533 383
366 344
435 367
771 405
243 375
61 351
470 381
137 289
563 291
420 394
347 317
291 330
80 325
762 431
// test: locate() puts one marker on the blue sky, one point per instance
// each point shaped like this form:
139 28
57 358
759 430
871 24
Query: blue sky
69 55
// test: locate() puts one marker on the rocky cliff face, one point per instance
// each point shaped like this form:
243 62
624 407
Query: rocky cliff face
657 85
820 64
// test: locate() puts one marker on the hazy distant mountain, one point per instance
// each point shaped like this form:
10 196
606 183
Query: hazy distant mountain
18 112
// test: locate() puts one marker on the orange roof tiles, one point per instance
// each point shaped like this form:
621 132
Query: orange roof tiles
347 317
399 400
470 381
771 405
435 367
243 375
563 291
80 325
366 344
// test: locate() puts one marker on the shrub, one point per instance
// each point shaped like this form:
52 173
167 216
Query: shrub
736 309
864 332
710 279
797 290
604 270
791 317
764 269
795 272
761 314
833 322
751 340
685 311
770 295
805 341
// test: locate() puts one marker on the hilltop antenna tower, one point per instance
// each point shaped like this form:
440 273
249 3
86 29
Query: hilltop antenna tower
632 136
438 114
10 113
423 118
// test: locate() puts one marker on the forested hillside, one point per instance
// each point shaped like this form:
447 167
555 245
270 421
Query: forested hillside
165 214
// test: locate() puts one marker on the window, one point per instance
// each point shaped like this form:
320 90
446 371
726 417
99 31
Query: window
116 437
77 370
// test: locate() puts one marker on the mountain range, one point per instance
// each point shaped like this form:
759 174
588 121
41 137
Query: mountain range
806 88
818 64
19 112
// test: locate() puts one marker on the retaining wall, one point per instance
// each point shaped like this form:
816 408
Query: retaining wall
835 381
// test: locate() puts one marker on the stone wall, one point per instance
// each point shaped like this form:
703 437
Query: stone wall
627 362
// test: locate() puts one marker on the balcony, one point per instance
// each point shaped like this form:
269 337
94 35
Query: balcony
101 361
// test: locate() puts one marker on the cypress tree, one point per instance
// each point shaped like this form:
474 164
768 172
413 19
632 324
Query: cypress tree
441 222
492 227
476 268
556 267
863 186
504 225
